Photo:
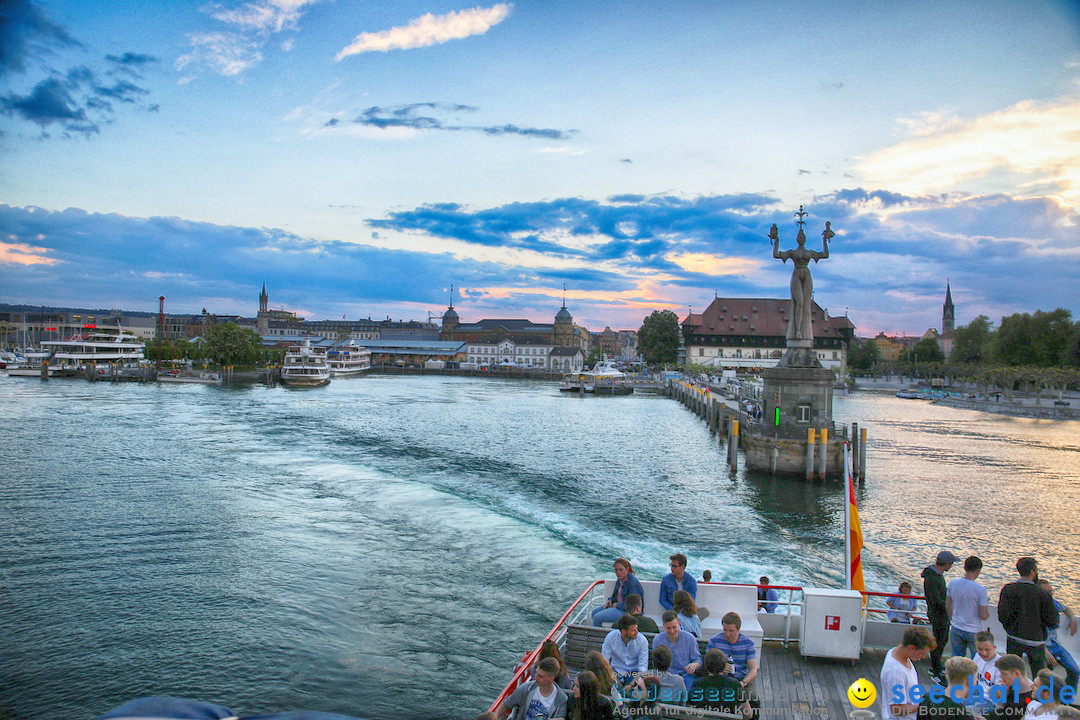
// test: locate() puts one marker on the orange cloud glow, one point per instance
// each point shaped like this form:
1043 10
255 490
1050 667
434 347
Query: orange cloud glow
714 264
23 254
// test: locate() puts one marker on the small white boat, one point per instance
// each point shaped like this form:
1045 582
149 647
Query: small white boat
202 378
305 367
348 360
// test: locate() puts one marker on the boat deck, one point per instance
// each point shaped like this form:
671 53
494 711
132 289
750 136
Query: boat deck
802 688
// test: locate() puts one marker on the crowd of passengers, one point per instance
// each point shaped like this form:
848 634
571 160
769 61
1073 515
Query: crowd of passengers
628 676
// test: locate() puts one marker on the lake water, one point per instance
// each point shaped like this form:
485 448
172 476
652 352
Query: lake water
390 546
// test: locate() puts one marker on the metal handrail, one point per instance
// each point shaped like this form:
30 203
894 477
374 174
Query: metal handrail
522 672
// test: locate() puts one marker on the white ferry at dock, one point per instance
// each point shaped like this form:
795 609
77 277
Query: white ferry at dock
305 367
98 349
348 360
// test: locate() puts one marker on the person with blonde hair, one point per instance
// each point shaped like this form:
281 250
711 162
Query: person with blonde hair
960 672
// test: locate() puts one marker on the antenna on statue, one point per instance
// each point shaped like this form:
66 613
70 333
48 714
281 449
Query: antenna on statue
451 296
564 294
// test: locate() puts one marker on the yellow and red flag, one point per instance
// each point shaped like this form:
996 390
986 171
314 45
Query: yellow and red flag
853 541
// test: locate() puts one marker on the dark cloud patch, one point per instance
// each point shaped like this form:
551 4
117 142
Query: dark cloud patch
804 172
130 63
77 102
123 91
332 122
50 101
25 33
73 100
434 116
626 160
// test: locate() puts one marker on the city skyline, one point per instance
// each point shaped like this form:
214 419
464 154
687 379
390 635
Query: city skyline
360 159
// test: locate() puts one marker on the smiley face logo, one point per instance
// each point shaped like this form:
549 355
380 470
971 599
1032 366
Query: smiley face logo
862 693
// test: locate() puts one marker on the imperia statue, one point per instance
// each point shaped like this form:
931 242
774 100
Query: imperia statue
802 285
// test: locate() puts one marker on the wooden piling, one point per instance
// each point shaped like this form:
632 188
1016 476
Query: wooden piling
733 446
854 450
862 455
823 455
811 438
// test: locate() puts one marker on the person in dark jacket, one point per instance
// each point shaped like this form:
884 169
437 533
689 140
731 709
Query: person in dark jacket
625 584
934 589
1026 611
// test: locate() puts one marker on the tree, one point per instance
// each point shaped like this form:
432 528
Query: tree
972 343
229 344
927 350
658 337
863 354
1044 339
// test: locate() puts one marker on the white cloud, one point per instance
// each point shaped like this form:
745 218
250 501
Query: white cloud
1037 141
428 30
227 53
233 51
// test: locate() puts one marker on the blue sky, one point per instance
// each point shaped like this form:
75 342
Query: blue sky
362 157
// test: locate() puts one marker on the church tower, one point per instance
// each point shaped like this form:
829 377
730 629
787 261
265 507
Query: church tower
948 313
450 320
564 326
262 320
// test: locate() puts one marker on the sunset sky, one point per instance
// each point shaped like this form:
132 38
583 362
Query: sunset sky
361 157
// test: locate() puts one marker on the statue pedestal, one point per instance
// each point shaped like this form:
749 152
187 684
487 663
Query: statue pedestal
795 400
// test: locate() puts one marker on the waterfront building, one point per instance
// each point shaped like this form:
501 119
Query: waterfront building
560 333
750 334
528 354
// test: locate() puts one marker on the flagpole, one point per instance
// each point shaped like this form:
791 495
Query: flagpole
847 520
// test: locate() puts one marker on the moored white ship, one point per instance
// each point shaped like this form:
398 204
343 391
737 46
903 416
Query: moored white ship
348 360
305 367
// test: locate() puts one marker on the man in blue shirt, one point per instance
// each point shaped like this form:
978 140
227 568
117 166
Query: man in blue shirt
685 656
741 653
625 650
766 598
677 579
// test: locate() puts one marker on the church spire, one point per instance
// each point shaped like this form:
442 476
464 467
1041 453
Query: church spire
948 312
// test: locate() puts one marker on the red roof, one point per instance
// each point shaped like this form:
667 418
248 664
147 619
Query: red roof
758 316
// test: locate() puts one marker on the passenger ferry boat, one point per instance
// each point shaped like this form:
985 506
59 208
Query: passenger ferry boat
74 355
348 360
305 367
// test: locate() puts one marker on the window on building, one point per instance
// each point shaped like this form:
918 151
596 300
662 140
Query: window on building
803 412
700 351
835 355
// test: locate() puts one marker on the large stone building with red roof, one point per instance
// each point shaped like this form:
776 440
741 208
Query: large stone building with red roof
750 334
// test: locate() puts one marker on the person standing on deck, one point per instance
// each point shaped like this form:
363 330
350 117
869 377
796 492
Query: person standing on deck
935 591
968 606
677 579
1060 654
898 673
1026 611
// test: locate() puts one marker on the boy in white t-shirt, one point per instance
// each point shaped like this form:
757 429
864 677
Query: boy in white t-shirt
898 674
988 675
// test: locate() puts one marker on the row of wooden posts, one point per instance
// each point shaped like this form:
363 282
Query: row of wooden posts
717 415
722 419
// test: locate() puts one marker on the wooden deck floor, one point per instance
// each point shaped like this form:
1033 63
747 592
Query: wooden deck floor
797 688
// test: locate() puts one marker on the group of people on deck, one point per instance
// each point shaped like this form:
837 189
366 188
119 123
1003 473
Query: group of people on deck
987 684
620 674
